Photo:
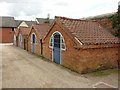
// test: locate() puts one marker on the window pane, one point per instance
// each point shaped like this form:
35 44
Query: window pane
62 43
63 46
51 41
57 41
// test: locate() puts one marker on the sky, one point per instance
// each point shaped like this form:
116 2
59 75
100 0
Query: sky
31 9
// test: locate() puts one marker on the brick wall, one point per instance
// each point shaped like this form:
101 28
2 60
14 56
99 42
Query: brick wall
38 46
24 42
6 35
82 60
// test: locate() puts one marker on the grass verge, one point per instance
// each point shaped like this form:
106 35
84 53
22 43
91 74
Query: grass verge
104 72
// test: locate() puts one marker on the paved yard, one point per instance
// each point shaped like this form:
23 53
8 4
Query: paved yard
21 69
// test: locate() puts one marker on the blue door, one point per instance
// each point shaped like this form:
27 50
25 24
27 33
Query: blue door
33 43
20 41
56 48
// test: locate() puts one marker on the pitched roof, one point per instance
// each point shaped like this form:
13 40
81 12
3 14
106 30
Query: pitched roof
107 24
29 23
99 16
24 30
87 31
42 29
7 21
44 20
18 22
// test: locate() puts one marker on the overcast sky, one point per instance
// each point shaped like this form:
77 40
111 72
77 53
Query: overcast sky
30 9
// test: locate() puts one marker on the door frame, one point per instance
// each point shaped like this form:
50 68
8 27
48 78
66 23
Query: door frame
20 40
24 44
14 40
32 42
53 46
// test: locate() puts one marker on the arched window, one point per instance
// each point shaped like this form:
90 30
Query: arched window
51 42
62 42
33 38
20 37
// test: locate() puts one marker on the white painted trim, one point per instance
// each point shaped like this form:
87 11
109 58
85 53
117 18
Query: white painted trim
32 41
14 41
23 24
78 41
64 43
6 43
20 37
60 45
20 40
50 42
35 37
95 85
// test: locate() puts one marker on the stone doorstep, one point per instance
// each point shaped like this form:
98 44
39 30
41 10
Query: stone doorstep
102 85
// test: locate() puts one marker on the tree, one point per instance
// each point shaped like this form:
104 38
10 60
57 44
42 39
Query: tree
116 23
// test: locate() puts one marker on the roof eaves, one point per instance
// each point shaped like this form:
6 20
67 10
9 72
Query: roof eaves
78 40
66 30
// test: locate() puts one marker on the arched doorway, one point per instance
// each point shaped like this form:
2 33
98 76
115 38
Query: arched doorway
57 44
14 41
33 42
56 47
20 40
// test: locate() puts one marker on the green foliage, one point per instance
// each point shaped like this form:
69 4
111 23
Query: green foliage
116 23
102 73
118 30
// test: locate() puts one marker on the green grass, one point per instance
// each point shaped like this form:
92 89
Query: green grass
104 72
43 58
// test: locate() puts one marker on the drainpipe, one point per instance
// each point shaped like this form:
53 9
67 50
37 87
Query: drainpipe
27 42
41 46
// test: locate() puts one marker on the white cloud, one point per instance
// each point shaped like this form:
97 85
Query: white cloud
4 8
70 8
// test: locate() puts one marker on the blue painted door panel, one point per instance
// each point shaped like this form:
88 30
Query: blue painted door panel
56 48
56 55
20 40
20 44
33 43
33 48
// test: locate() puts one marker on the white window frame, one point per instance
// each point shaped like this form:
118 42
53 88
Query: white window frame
20 37
32 38
61 37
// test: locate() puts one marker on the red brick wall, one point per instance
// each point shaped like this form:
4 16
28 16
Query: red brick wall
24 42
82 60
6 35
38 46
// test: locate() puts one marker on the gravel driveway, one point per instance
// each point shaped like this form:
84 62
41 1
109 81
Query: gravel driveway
21 69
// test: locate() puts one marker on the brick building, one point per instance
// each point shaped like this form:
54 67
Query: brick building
43 20
15 41
23 33
35 37
21 23
7 25
81 45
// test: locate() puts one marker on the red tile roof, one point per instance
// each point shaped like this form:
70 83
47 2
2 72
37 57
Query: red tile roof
24 30
41 28
107 23
87 31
